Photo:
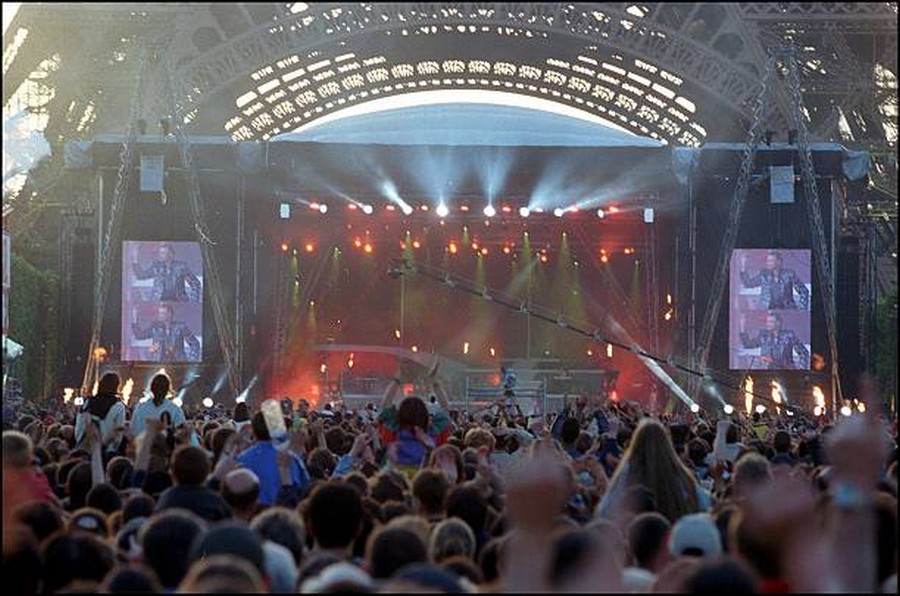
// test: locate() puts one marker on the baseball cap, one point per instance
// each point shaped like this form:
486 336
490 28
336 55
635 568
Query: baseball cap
695 534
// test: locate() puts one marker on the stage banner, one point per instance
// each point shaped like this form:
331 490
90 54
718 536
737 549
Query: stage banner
162 302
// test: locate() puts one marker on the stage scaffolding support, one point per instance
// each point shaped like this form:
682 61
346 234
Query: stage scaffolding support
784 61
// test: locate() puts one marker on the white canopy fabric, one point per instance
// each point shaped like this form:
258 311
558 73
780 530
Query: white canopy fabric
465 124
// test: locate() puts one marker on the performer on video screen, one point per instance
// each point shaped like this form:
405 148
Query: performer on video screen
777 346
172 341
777 285
173 280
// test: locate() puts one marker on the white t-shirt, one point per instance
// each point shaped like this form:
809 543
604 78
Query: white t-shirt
148 409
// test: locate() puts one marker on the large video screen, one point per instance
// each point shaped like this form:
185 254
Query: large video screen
162 302
769 318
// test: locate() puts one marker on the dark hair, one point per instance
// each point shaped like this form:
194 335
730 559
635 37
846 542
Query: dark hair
320 463
569 431
137 506
721 576
394 509
384 488
22 566
104 497
241 412
334 515
159 387
337 441
120 471
108 384
430 488
698 449
412 412
782 442
463 567
647 535
284 527
260 430
190 465
240 501
467 503
491 557
392 548
42 517
71 556
220 438
132 580
167 539
78 484
570 550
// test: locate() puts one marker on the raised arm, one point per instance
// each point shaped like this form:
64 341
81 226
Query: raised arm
392 389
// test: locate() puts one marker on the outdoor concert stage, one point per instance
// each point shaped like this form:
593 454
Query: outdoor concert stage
314 313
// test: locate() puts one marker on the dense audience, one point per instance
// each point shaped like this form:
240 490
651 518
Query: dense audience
413 495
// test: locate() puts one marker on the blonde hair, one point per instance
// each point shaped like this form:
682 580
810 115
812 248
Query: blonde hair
651 462
18 449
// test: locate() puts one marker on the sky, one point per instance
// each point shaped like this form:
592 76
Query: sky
9 12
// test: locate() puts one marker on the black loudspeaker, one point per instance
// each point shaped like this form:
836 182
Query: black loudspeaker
81 311
849 315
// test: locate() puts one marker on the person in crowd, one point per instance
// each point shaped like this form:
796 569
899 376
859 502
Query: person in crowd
651 462
777 284
158 406
190 468
779 348
282 475
106 410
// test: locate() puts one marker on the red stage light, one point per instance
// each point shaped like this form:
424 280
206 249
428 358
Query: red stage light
484 251
403 245
352 206
544 258
368 248
604 259
391 208
310 247
452 248
284 247
506 250
612 209
474 246
506 209
424 207
464 208
357 243
314 206
417 244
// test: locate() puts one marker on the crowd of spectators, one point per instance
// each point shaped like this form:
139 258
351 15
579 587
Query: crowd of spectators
414 495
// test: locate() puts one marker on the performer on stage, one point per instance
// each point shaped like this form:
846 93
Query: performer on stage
173 341
173 280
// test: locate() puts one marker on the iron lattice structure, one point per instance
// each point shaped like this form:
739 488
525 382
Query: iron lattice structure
685 73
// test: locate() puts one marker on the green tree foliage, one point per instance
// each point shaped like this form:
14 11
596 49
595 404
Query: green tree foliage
886 359
34 323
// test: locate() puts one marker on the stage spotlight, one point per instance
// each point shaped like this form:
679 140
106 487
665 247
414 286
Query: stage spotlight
424 207
601 213
729 409
490 211
846 411
442 210
390 208
352 206
309 247
464 208
695 408
323 208
407 210
559 211
760 409
453 248
207 402
648 215
368 209
524 211
506 209
284 247
368 248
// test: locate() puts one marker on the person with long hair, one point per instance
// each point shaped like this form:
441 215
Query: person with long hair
157 406
107 411
651 465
